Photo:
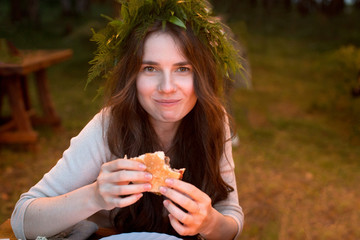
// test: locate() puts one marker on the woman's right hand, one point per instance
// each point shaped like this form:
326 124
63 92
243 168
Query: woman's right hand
121 183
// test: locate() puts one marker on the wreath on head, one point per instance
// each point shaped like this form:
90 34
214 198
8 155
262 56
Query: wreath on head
141 14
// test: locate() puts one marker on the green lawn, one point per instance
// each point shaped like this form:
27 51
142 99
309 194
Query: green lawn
298 161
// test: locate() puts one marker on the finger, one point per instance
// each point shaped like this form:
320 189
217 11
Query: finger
179 214
187 189
131 176
122 202
126 176
123 190
123 183
184 201
121 163
179 228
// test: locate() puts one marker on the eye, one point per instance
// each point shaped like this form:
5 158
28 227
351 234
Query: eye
149 69
183 69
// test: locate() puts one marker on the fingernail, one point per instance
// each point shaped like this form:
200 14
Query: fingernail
147 187
163 190
169 181
142 166
148 176
166 203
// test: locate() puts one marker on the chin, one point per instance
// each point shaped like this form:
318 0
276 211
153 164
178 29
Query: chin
171 119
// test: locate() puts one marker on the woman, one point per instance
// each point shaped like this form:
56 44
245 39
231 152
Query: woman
163 94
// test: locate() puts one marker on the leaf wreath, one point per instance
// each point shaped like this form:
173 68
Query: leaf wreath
141 14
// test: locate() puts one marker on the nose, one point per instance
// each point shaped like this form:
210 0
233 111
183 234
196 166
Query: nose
167 83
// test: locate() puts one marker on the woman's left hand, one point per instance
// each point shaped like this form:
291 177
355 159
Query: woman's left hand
198 214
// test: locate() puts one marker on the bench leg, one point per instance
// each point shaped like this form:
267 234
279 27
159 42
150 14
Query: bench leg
49 114
23 132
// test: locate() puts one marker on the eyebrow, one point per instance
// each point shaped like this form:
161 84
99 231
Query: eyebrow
176 64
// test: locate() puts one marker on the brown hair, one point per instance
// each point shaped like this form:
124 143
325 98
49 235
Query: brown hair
198 144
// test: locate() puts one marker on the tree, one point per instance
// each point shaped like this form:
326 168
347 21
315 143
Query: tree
305 7
357 4
332 7
25 9
77 7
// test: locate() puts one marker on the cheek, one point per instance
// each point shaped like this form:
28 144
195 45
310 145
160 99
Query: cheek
188 87
190 92
140 92
144 88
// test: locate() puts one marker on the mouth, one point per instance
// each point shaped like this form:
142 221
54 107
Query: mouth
167 102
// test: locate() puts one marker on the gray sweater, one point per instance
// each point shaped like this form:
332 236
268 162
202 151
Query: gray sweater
80 165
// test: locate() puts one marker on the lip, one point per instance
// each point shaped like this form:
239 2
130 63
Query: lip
167 102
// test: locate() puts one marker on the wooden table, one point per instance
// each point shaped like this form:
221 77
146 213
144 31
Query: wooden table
14 84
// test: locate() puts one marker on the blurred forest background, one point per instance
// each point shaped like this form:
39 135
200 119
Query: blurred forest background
297 163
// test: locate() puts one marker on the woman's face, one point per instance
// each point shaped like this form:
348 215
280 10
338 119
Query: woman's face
165 83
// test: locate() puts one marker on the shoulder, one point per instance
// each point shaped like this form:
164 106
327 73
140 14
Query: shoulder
102 117
93 137
98 124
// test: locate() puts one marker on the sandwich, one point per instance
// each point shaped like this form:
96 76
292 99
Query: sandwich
159 166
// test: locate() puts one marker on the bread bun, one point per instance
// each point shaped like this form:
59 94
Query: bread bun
159 166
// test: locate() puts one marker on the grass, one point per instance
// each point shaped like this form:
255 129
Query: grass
297 164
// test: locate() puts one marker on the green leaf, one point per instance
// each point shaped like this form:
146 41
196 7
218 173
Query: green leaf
175 20
124 12
106 17
163 25
116 24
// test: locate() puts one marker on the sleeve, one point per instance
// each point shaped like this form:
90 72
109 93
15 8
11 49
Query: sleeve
79 166
230 206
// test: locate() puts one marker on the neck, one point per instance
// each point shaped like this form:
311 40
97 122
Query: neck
166 133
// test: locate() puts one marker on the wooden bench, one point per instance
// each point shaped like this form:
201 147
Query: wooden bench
18 128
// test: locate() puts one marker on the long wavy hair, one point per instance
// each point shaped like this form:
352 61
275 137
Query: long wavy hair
199 141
